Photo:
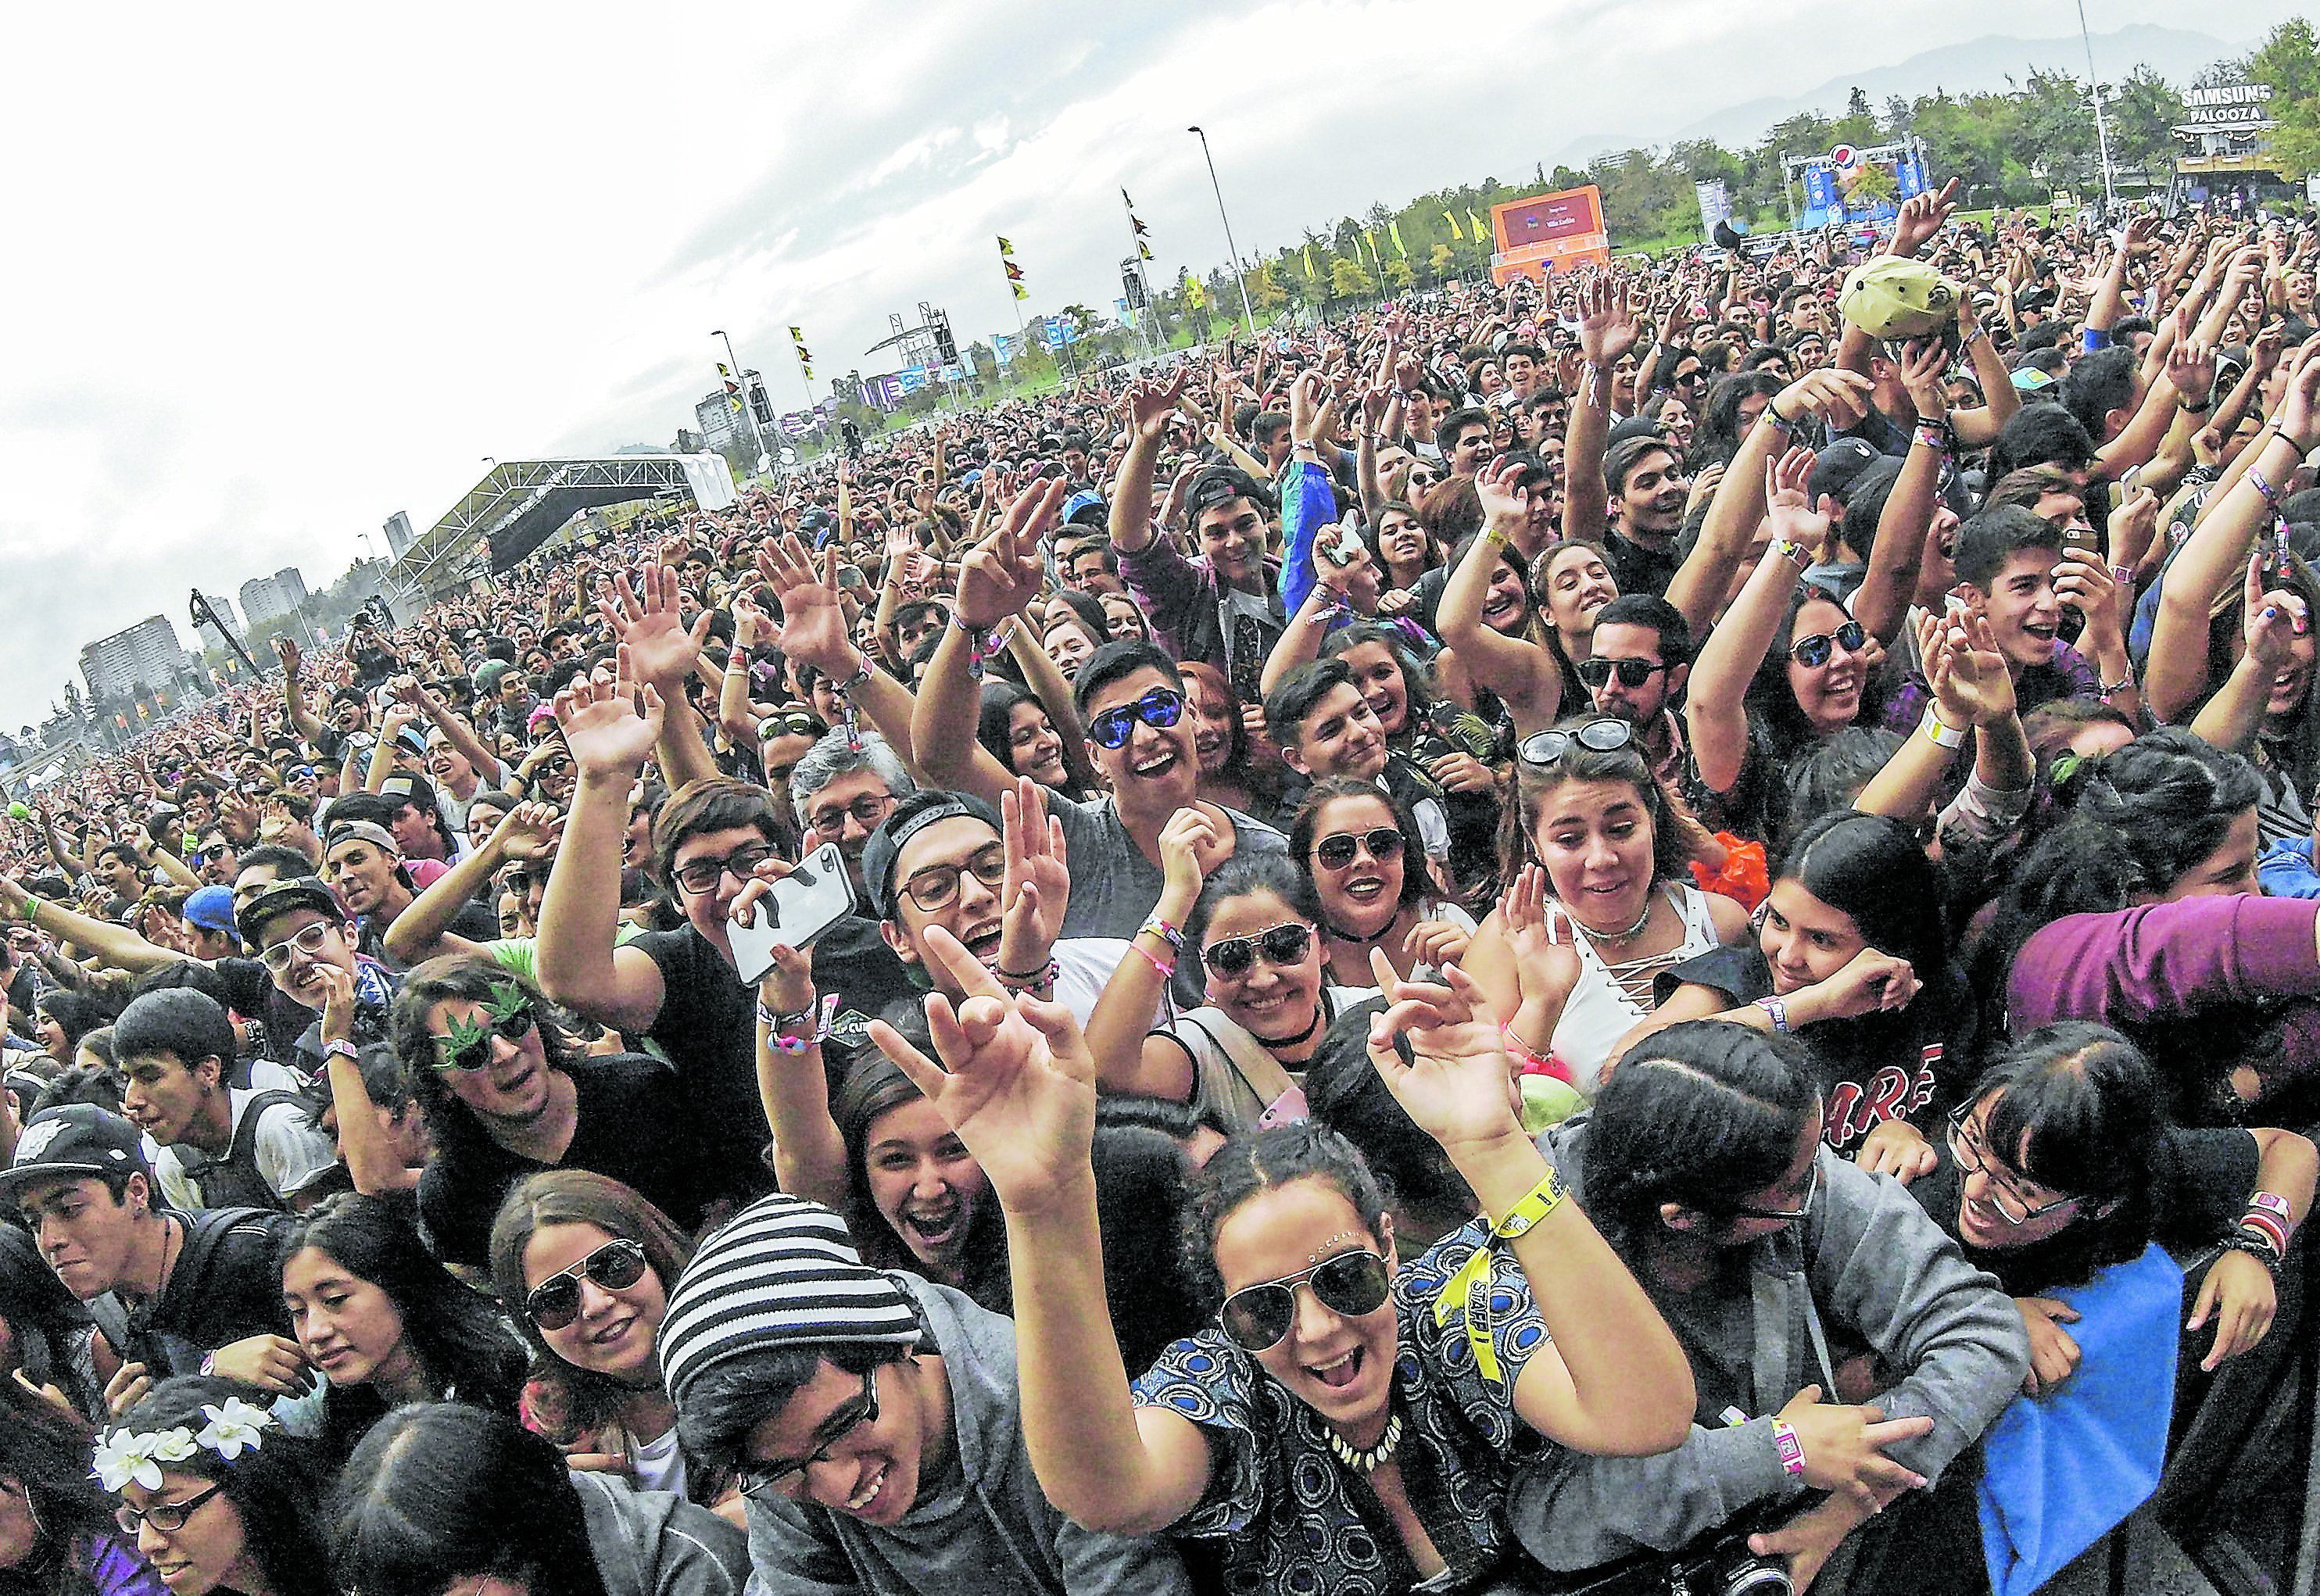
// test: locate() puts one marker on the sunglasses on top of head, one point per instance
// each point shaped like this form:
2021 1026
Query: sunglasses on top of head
1602 736
1814 651
1158 708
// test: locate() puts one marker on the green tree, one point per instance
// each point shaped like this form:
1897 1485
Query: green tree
1875 183
2290 65
1398 277
1349 279
1442 263
1858 125
1265 290
2143 113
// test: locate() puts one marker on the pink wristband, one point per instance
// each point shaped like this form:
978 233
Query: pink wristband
1792 1449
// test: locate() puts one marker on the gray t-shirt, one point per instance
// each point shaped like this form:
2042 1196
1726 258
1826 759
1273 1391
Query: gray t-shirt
1114 886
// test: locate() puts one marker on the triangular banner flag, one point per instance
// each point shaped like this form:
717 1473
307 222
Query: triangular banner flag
1393 230
1005 248
1455 231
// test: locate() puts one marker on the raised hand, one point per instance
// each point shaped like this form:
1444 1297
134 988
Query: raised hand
1038 888
1785 505
2298 414
611 726
1016 1081
1608 328
2191 370
1840 398
648 621
1922 216
814 627
1506 502
1151 402
1001 575
1452 1081
1965 669
1923 374
2271 621
530 831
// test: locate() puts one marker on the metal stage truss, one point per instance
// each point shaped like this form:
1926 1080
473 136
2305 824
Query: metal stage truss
520 503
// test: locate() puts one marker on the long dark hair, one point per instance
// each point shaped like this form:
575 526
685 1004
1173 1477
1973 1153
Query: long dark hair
2075 1111
1303 833
441 1491
273 1486
1535 782
1143 1191
578 1197
2144 816
874 1086
1704 1114
460 1341
1772 698
45 1450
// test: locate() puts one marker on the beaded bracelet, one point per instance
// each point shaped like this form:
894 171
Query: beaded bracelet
2256 1246
1032 982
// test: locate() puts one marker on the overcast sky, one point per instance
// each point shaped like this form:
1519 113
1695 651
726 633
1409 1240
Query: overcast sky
275 274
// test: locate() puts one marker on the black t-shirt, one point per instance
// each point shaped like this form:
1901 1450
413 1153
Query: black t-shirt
473 922
252 995
1638 569
224 1286
634 1125
1908 1065
2199 1185
708 1027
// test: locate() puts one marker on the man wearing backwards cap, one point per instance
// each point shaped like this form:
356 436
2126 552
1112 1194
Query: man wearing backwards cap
172 1293
875 1422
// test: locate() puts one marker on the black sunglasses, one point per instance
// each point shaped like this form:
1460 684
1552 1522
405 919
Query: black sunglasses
555 1302
1158 708
1335 853
475 1052
1256 1317
1281 944
1603 736
1632 673
1813 652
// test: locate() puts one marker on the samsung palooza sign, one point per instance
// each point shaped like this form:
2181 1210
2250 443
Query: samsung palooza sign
2229 104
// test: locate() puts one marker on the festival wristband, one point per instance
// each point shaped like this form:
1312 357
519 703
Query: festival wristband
1535 1205
1778 1011
1165 931
1165 968
1790 1448
1944 736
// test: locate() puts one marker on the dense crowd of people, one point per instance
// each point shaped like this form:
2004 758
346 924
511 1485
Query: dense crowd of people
1541 938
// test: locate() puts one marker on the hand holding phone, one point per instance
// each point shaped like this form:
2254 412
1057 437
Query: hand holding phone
815 895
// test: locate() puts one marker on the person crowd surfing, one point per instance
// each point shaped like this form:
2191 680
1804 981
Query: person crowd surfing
1561 935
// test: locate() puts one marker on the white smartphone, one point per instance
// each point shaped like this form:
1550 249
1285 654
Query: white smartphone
804 903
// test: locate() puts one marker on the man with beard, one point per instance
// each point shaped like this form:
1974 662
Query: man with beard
1642 655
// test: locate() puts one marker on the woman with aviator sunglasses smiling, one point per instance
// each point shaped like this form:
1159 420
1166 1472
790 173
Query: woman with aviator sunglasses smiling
587 1263
506 1093
1340 1429
1374 892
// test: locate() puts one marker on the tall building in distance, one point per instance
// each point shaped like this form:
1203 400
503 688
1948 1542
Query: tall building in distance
262 601
398 533
292 586
724 426
223 607
146 655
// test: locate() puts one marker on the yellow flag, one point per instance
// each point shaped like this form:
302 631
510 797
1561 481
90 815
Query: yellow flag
1482 233
1005 248
797 335
1393 230
1143 250
1310 273
1020 291
1193 294
1455 231
724 370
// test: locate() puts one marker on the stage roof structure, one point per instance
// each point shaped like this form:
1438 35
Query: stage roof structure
520 503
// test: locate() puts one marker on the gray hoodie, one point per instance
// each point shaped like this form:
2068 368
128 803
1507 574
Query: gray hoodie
995 1534
1875 1270
649 1543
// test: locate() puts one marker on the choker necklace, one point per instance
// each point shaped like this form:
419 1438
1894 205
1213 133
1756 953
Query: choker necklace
1342 934
1616 938
1303 1035
1376 1458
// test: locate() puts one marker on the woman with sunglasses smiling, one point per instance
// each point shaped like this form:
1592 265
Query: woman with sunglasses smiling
1786 667
1617 891
587 1265
385 1324
506 1094
1341 1427
1255 927
1375 890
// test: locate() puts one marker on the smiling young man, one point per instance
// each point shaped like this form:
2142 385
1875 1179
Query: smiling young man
299 927
1647 494
174 1293
220 1146
1326 728
1641 657
2014 570
875 1422
1220 608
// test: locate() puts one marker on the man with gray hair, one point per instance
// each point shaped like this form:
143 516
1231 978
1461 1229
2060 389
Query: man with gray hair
843 789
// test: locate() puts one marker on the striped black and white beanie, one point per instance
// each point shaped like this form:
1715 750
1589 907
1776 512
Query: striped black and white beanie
782 1272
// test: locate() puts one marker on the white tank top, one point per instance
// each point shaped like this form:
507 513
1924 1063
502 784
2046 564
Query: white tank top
1601 1010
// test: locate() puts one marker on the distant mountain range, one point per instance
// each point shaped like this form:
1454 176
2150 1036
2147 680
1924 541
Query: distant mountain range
1977 66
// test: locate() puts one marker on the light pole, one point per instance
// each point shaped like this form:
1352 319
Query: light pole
2102 127
741 378
1247 310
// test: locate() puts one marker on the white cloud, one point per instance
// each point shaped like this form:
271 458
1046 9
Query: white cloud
276 272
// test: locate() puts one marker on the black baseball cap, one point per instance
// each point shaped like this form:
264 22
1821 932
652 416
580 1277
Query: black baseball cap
298 892
912 816
71 1141
1836 467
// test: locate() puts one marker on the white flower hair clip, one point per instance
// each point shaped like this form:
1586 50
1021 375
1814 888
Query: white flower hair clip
124 1455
